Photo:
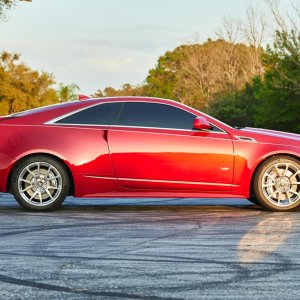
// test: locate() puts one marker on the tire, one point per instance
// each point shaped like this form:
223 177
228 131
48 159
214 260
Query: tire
276 184
253 200
40 183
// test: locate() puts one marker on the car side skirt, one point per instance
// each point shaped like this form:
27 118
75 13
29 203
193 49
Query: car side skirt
89 187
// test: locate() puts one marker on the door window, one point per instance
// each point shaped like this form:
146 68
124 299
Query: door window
155 115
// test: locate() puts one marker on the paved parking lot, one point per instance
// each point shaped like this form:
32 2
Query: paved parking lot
148 249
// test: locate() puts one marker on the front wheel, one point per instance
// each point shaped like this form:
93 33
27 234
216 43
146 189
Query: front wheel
40 183
276 184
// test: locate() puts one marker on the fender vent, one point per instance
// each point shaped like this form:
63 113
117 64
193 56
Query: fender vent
245 138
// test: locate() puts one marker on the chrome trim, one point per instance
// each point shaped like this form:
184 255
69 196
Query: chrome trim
177 134
161 181
141 127
53 121
163 128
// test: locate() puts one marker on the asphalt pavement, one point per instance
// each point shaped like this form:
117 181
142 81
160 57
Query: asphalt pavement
149 249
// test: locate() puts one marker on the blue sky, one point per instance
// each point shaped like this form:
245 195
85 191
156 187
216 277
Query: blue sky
99 43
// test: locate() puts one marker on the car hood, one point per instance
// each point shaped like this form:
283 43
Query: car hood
272 136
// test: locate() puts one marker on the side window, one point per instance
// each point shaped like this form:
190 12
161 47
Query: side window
102 114
155 115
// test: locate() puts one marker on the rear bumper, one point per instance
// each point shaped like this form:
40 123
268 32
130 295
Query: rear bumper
6 164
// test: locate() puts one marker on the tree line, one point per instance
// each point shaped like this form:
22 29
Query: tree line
233 77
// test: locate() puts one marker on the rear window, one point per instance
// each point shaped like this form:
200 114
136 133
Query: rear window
102 114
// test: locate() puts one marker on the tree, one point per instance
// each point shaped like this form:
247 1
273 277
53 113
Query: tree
126 90
22 88
236 109
250 31
195 74
279 90
162 80
8 4
67 92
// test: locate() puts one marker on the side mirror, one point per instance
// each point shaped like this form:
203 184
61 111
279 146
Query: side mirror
201 123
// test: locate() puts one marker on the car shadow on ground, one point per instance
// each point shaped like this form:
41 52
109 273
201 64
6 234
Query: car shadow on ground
7 203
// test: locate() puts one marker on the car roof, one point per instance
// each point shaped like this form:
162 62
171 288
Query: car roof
55 110
45 114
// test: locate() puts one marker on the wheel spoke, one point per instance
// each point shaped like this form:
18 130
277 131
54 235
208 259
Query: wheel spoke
294 175
275 192
26 181
34 194
33 174
26 189
289 198
49 194
40 196
285 170
48 171
53 188
40 183
277 170
269 176
268 185
294 192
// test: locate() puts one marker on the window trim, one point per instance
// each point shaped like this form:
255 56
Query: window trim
55 120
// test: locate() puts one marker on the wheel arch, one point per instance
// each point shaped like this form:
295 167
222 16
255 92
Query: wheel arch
59 159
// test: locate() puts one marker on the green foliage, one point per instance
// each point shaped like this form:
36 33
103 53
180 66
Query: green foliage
236 109
67 92
161 81
22 88
125 90
279 90
273 100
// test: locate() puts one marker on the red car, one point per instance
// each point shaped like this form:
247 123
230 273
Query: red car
143 147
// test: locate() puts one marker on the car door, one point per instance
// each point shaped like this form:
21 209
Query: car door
153 146
85 144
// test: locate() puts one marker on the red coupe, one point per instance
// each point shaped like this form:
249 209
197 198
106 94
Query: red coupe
143 147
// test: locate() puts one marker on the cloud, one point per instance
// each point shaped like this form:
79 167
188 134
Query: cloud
156 27
92 63
107 64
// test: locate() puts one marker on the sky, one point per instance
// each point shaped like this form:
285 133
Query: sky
100 43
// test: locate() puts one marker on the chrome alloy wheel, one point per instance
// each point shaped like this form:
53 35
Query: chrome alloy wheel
40 183
281 184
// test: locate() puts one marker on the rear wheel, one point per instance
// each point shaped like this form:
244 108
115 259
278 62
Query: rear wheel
40 183
277 184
